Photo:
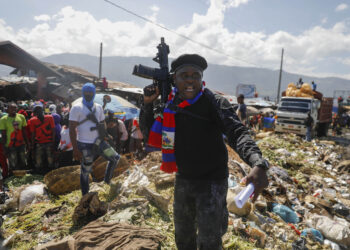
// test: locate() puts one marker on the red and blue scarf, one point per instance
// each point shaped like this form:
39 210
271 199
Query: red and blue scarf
162 133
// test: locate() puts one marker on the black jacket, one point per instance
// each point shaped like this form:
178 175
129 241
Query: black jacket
309 121
200 150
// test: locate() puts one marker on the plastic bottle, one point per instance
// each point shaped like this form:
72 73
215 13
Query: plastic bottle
244 195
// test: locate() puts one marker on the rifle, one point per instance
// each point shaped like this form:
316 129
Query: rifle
161 76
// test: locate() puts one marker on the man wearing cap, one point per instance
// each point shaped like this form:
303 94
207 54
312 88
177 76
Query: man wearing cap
87 129
189 132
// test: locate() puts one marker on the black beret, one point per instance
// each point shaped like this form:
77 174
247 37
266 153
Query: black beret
189 59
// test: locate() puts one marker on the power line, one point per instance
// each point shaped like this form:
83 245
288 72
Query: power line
178 34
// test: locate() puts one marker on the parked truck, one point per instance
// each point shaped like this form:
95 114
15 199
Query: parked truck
292 113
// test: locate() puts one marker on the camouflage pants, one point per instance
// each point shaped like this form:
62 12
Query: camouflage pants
200 205
44 152
17 157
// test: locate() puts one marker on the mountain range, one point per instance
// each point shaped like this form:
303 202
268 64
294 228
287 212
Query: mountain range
217 77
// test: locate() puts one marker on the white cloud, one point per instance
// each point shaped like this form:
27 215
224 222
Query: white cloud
341 7
324 20
6 32
235 3
346 61
79 32
43 18
154 8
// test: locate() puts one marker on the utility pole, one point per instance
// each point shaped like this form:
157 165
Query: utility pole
279 81
100 66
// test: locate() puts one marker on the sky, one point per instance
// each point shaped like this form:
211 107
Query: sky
315 34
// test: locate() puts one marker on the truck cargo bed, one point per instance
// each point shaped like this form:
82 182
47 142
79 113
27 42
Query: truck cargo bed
325 111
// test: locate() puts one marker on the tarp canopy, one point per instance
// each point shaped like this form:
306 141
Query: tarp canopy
252 111
122 108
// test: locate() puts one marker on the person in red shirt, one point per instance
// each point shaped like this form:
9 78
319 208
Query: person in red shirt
42 128
12 127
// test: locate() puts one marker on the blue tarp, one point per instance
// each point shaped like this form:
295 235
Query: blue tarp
122 108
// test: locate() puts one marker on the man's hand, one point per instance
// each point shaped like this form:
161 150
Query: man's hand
151 98
258 177
77 155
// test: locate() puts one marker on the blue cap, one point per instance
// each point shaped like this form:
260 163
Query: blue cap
38 104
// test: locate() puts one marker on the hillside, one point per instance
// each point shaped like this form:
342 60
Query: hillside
218 77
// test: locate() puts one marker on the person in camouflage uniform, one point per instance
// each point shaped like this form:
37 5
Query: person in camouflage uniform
200 210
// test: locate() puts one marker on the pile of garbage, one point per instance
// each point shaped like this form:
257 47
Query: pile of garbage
306 206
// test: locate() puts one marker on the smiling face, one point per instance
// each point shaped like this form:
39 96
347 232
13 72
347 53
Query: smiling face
188 81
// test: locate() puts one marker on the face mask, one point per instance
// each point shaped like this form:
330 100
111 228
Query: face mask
88 98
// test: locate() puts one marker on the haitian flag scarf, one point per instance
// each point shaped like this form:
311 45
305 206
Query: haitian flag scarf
162 133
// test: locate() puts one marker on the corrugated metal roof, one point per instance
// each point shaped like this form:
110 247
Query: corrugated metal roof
16 80
14 56
64 69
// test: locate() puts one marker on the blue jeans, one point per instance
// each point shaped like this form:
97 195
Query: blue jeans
308 133
89 151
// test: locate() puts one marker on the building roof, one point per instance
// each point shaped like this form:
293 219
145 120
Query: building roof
14 56
72 70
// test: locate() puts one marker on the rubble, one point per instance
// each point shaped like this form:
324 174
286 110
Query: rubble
309 180
90 207
63 180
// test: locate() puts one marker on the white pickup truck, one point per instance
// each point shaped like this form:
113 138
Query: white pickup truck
292 113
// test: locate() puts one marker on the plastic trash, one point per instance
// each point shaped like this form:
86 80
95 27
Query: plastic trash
244 195
317 193
29 193
341 209
231 181
333 245
287 214
337 230
294 228
281 173
315 234
329 193
299 244
3 197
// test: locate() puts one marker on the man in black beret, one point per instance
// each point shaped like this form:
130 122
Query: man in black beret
190 130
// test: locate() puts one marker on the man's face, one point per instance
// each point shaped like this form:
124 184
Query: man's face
188 81
88 96
12 109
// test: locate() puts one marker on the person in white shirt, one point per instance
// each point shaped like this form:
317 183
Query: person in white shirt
87 130
116 128
65 147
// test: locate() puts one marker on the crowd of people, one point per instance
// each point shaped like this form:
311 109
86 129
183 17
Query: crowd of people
35 136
